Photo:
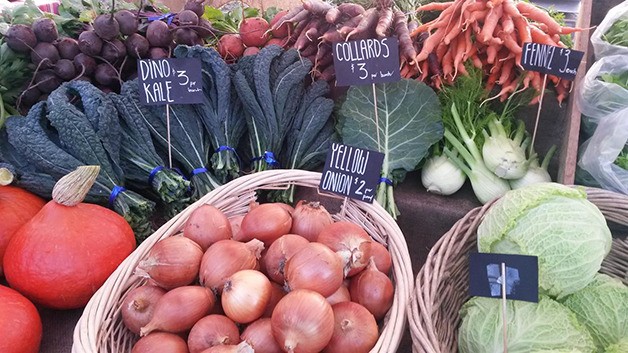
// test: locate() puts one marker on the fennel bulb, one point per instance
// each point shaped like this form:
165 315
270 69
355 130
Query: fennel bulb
502 155
441 176
536 173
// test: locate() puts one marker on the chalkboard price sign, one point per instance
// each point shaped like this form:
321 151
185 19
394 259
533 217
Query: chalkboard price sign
170 81
366 61
352 172
551 60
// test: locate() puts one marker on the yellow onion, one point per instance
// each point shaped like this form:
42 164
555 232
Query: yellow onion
245 296
277 292
179 309
138 306
309 219
265 222
373 289
381 256
212 330
340 295
351 242
207 225
315 267
242 347
226 257
259 335
159 342
273 261
355 329
302 322
172 262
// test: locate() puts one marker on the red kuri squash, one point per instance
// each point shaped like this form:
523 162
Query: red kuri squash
66 252
20 323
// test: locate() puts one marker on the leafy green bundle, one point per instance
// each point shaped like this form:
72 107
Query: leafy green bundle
15 72
408 122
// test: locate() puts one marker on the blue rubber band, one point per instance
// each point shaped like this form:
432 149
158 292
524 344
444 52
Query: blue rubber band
153 173
229 148
385 180
117 190
269 158
168 17
198 171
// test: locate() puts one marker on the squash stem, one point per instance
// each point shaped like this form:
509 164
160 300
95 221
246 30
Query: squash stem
72 188
6 177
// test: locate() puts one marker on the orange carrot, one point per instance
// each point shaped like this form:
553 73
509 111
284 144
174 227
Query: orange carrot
462 69
476 61
493 3
437 82
506 72
508 87
441 49
491 53
563 91
521 24
435 6
448 62
459 51
537 82
538 36
538 15
430 43
472 6
490 23
510 42
508 26
570 30
469 47
455 31
404 72
425 70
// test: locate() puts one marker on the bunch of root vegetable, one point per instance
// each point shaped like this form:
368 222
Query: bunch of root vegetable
318 24
488 34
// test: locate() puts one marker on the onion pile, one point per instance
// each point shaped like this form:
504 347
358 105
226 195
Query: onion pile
307 284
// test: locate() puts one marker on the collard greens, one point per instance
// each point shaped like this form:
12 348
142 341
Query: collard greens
409 122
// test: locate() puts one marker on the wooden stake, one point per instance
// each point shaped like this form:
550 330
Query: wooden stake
504 312
379 147
538 113
168 132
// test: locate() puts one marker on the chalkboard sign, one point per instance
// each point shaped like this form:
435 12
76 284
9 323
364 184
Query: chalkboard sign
170 81
352 172
551 60
366 61
522 276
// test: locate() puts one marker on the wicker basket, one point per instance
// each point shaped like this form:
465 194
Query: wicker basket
100 328
442 282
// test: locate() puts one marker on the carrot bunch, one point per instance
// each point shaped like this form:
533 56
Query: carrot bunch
317 24
488 34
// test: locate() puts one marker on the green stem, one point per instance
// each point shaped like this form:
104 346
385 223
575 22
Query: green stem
457 145
468 141
548 157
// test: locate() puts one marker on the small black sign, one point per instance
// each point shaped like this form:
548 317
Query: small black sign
366 61
352 172
170 81
522 276
551 60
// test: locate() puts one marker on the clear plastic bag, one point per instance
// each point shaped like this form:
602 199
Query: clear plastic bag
597 99
601 47
602 149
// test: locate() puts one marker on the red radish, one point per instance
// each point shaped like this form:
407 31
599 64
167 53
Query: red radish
277 41
281 31
230 46
254 31
250 51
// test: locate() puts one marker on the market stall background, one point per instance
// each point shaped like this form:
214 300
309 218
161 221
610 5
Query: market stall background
424 217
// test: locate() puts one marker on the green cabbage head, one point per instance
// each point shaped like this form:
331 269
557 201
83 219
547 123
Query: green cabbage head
546 326
554 222
619 347
602 307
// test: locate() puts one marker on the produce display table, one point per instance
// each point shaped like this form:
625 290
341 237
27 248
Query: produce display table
424 217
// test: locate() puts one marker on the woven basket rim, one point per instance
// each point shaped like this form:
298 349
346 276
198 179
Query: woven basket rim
426 297
92 327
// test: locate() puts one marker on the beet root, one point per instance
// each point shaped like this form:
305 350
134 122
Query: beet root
45 54
84 64
185 36
47 81
90 43
137 46
127 21
65 69
113 51
68 47
195 6
254 31
157 53
45 29
106 27
106 75
187 18
21 38
158 34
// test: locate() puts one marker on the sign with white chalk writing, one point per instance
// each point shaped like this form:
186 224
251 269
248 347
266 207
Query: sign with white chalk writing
170 81
521 275
551 60
352 172
366 61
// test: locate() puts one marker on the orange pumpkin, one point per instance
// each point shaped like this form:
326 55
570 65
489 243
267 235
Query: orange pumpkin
17 206
65 253
20 323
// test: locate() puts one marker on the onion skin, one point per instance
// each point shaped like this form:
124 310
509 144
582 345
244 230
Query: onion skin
243 347
276 293
351 242
138 306
302 322
266 222
315 267
172 262
381 256
236 223
372 289
212 330
355 329
226 257
207 225
160 342
246 295
309 219
339 296
260 336
179 309
274 260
